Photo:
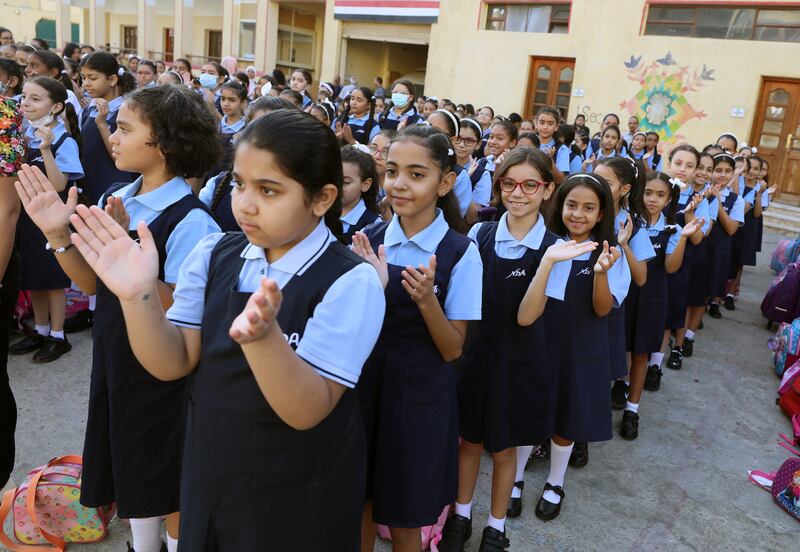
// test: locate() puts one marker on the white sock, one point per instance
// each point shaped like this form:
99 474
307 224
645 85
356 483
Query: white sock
146 534
172 544
464 510
523 453
92 302
656 359
690 335
499 524
43 330
559 460
58 335
633 407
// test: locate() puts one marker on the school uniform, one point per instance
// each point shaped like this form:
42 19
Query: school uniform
481 181
595 147
480 153
40 269
678 282
100 170
599 156
462 189
561 159
576 162
134 430
643 251
248 477
646 306
697 293
407 391
507 386
391 120
223 210
719 244
357 219
583 411
760 220
749 232
363 128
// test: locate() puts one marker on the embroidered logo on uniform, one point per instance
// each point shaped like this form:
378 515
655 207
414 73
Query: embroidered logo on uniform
656 246
436 289
293 340
36 160
585 272
516 273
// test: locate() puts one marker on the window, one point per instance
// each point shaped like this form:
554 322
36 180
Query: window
744 22
247 39
214 44
529 18
296 38
129 37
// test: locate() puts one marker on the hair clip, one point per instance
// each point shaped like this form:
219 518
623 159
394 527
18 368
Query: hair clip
120 72
677 183
450 151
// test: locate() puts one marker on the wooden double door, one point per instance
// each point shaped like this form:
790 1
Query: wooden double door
549 84
776 134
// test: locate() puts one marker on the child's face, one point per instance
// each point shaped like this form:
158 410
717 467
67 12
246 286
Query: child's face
610 140
633 125
230 102
144 75
656 196
755 170
7 52
722 174
682 166
320 114
764 171
97 84
428 108
353 185
526 126
36 102
379 149
437 121
524 177
727 144
638 142
469 142
380 105
22 58
414 182
581 212
652 141
134 65
359 104
546 125
579 142
131 146
703 172
618 189
36 68
499 141
609 121
485 117
580 120
525 143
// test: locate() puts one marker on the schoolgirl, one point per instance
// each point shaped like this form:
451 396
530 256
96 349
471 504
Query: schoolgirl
646 309
765 201
430 105
744 252
146 74
528 140
579 148
485 117
448 124
379 149
730 215
106 82
506 390
651 147
183 67
502 137
566 137
43 63
728 142
10 79
324 112
596 142
359 192
468 140
637 149
432 276
547 127
169 77
607 148
233 101
300 81
739 185
402 107
357 123
212 77
53 149
135 425
598 281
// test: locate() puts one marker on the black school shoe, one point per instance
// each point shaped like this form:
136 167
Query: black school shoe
163 547
580 456
493 541
729 303
455 533
546 510
28 344
81 321
53 349
619 395
630 425
675 361
652 381
688 347
515 504
714 312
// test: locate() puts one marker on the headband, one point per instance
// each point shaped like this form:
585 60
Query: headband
725 155
635 166
585 175
475 124
635 134
452 117
729 135
327 87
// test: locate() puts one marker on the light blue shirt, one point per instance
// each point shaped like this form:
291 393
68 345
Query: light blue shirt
482 192
658 227
599 156
226 128
702 209
113 107
464 297
561 157
639 243
68 158
737 211
206 194
750 197
463 191
506 246
576 165
146 207
764 200
352 217
345 325
362 121
619 275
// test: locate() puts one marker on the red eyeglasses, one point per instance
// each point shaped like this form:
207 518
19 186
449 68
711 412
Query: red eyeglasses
528 187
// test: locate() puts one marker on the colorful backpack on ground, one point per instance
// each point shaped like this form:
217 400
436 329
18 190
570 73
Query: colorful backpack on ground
431 535
77 301
47 510
784 485
790 399
782 301
785 346
785 254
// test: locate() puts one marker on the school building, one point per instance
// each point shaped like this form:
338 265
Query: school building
688 69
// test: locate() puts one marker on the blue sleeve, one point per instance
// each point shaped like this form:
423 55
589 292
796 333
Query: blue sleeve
68 159
345 326
206 194
464 293
576 165
589 150
482 192
619 280
463 191
737 211
764 199
673 240
196 225
713 208
557 281
473 232
750 197
702 212
190 289
376 128
660 166
562 159
641 246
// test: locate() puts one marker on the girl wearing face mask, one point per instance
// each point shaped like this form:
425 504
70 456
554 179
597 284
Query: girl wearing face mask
10 79
402 110
52 148
212 77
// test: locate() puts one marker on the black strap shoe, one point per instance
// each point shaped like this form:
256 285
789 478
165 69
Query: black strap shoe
546 510
730 303
714 312
675 361
688 347
27 344
515 504
652 381
630 425
580 455
53 349
619 395
455 533
493 541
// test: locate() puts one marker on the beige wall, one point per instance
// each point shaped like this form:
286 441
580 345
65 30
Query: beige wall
22 18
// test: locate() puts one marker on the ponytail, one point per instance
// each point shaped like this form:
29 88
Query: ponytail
221 189
72 124
126 81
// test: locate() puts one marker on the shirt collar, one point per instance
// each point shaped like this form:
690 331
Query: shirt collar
532 240
355 213
660 223
298 257
549 144
33 141
235 127
622 216
428 239
115 104
359 119
160 198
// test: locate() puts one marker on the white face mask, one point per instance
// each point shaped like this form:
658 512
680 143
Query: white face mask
43 121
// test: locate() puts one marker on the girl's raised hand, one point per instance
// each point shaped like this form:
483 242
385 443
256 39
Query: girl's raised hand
607 258
102 109
625 231
347 135
772 189
692 205
129 269
564 251
589 160
692 226
45 135
363 248
418 283
42 202
115 208
259 313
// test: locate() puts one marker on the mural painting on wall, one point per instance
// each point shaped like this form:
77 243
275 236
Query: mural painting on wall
662 102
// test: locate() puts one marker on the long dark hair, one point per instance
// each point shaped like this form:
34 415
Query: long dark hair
107 64
632 172
12 69
305 149
674 196
52 61
366 169
517 156
370 98
58 94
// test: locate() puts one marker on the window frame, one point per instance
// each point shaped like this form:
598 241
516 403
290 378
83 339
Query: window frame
295 31
552 23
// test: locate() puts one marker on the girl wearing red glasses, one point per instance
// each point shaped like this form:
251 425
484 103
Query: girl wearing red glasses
507 388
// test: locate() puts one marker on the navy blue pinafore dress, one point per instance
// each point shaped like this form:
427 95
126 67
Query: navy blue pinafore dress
750 238
250 481
366 218
719 252
507 385
646 306
678 282
99 169
408 396
361 132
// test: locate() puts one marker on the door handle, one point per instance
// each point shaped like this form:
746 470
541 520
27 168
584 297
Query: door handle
789 141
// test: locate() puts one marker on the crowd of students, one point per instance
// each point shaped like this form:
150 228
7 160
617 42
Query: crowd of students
312 316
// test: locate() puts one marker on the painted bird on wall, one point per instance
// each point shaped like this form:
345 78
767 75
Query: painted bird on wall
633 63
667 60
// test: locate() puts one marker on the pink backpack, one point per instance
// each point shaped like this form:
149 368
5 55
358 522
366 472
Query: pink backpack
431 535
47 510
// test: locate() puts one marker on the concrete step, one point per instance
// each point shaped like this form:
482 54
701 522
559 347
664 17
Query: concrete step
783 218
785 209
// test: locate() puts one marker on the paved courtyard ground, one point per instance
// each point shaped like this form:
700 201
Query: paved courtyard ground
681 486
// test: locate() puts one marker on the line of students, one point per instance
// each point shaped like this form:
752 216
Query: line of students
270 406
